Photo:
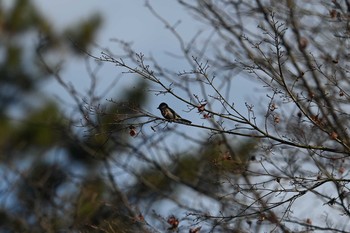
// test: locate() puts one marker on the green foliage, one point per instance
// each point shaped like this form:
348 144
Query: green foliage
22 17
203 170
18 71
89 201
33 135
82 38
39 188
233 159
37 131
9 223
41 128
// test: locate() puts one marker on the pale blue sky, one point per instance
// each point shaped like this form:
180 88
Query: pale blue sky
126 20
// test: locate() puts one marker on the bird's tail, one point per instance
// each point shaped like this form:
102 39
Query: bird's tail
184 121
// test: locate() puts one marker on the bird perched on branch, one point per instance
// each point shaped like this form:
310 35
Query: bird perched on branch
170 114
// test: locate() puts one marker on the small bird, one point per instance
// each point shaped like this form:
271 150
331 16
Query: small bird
170 114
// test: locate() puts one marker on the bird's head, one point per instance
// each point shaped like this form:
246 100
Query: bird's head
162 105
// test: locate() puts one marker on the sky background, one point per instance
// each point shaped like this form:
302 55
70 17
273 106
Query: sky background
129 21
